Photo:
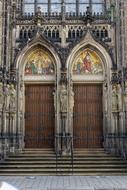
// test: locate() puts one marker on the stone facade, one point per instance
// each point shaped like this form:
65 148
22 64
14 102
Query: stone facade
64 36
0 29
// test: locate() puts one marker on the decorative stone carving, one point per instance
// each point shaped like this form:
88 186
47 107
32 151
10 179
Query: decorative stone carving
63 99
125 95
7 97
1 96
71 100
119 97
12 98
114 98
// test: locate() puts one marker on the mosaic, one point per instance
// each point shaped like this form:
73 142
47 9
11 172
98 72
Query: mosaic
88 62
39 62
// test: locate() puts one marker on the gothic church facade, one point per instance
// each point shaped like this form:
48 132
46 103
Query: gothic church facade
63 75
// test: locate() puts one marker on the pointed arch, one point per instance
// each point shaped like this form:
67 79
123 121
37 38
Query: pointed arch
32 46
90 43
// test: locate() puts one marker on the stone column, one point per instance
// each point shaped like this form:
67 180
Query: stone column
0 29
63 112
7 116
120 121
13 118
114 118
125 130
20 118
1 120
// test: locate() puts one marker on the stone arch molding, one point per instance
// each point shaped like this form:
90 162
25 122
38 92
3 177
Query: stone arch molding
90 43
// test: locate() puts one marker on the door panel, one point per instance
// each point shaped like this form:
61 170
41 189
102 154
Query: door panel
88 120
39 116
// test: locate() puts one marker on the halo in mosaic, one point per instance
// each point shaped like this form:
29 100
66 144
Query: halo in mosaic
39 62
87 62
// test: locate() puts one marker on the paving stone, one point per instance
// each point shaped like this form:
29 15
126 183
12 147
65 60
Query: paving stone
67 182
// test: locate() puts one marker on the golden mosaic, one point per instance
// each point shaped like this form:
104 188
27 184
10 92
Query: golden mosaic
88 62
39 62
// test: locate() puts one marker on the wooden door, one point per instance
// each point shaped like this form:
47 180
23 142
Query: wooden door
88 117
39 116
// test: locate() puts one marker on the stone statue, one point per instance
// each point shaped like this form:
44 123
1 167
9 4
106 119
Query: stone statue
71 100
125 95
12 98
1 96
63 99
119 97
21 99
114 98
7 97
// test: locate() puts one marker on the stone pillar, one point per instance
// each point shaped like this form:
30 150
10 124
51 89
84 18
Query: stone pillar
20 118
120 119
7 117
13 128
1 120
125 130
0 29
63 113
114 118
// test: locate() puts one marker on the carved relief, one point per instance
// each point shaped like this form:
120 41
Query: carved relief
88 62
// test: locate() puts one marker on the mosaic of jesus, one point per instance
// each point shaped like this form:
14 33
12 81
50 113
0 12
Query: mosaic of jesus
39 62
88 62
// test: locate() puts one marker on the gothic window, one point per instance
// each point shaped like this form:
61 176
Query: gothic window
71 6
96 6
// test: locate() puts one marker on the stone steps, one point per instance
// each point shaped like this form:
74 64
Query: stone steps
43 162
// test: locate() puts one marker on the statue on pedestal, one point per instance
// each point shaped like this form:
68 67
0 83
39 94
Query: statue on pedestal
114 98
1 96
12 98
7 97
71 100
125 95
63 99
119 97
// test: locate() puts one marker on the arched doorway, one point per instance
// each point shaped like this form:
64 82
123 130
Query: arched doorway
39 77
38 71
87 77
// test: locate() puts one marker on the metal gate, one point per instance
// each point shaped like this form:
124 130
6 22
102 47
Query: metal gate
39 116
88 116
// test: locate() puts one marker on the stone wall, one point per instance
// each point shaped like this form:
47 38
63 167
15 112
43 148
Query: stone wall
125 22
0 29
